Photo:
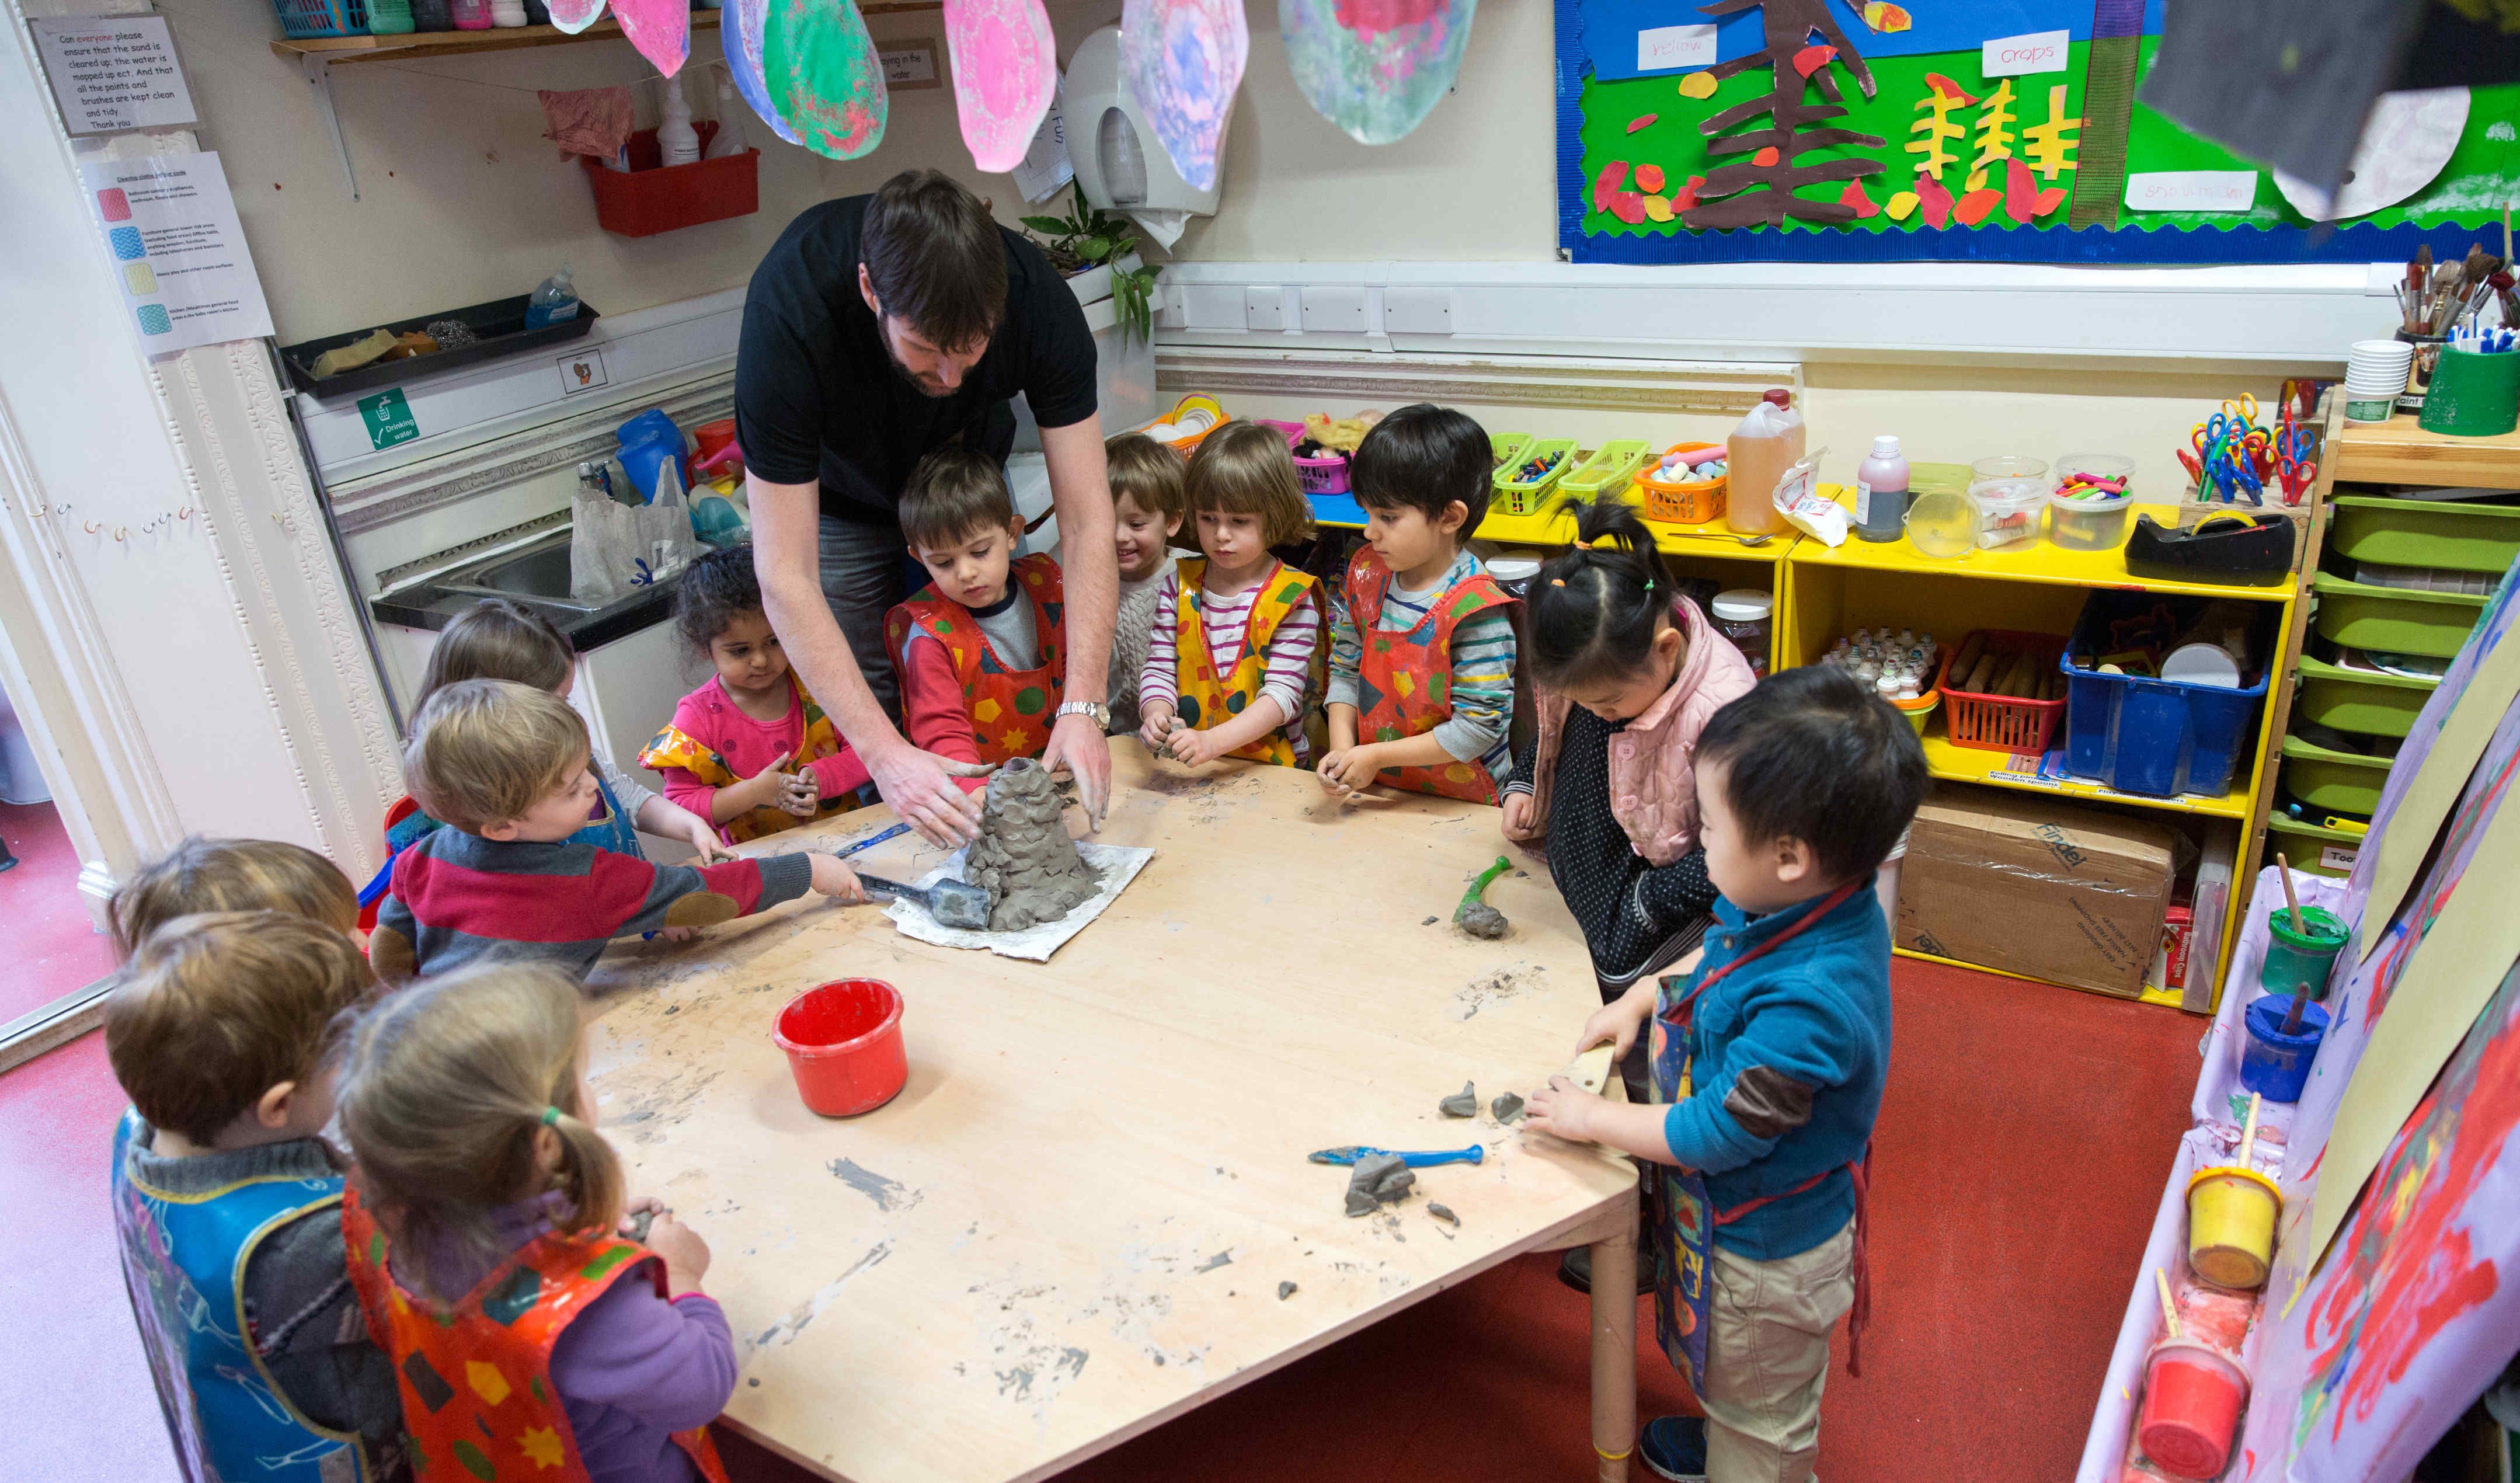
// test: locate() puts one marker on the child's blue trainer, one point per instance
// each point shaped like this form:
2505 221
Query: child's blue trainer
1674 1448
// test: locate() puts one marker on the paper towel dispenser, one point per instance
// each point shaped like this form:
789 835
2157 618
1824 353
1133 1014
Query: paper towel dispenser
1118 161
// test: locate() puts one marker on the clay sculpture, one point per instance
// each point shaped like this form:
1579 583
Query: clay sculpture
1023 858
1378 1179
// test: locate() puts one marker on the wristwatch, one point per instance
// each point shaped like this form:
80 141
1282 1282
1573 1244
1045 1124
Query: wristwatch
1101 713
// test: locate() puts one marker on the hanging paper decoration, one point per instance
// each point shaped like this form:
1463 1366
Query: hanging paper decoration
1375 68
824 75
740 34
574 16
1182 59
662 31
1785 28
1003 74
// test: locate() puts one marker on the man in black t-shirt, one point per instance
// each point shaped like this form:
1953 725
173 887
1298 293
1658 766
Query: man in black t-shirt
878 329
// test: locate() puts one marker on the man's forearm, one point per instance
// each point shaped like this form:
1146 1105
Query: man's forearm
787 557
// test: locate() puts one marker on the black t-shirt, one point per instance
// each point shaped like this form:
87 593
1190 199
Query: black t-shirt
818 399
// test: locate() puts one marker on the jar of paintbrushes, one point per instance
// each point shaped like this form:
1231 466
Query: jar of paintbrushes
2435 300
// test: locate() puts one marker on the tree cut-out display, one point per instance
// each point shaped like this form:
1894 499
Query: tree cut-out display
1796 62
2046 146
1995 122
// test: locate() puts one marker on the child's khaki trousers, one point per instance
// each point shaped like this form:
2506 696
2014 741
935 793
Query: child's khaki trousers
1766 1355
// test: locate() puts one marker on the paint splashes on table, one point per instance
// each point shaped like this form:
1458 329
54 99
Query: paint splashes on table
888 1194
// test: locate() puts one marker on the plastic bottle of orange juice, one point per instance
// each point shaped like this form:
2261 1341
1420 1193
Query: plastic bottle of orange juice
1768 442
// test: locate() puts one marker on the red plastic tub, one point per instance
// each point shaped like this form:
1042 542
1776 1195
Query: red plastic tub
844 1043
2192 1398
653 198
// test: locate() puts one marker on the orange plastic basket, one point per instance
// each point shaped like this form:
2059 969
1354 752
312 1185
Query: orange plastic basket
1682 504
2002 723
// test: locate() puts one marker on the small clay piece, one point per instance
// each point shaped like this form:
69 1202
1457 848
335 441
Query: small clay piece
1505 1108
1462 1103
1023 858
1285 1290
1377 1180
1443 1213
1430 922
1480 920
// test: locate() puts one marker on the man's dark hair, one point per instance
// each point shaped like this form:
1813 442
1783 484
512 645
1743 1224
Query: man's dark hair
1812 755
953 495
933 256
1425 456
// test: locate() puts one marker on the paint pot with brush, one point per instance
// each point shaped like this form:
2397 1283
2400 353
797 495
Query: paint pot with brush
2284 1032
2231 1212
2192 1398
2301 952
843 1045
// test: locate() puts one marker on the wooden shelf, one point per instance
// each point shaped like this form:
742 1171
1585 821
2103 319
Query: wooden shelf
419 45
2150 995
2037 561
1556 528
2021 772
2398 452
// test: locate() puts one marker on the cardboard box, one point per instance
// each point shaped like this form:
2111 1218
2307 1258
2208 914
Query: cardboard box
2047 889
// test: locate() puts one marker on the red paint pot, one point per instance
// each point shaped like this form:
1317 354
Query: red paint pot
2192 1398
844 1043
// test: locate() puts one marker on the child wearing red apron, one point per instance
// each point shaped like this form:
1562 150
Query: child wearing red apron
1769 1063
1232 661
981 648
1422 653
530 1336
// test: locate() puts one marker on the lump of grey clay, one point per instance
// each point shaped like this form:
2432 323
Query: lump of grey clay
1480 920
1505 1108
1023 858
1462 1103
1377 1180
1285 1290
1442 1213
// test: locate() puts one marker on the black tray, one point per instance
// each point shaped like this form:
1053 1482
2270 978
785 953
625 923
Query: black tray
501 324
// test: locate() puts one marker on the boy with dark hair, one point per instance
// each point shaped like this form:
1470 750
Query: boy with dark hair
980 647
1769 1061
1421 655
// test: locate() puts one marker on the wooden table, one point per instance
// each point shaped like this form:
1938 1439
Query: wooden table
1074 1222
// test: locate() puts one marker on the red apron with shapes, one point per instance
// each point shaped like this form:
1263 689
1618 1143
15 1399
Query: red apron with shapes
1011 710
1404 677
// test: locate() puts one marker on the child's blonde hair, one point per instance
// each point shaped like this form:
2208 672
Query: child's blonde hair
496 639
445 1087
1245 469
203 874
1145 473
215 1010
484 751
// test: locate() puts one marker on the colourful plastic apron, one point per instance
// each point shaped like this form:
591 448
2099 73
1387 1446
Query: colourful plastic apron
674 747
1404 677
475 1378
1206 699
1011 710
1685 1218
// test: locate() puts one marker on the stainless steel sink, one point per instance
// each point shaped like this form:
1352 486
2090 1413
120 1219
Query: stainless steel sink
539 573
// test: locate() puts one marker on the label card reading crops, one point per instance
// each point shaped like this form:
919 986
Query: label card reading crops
2022 56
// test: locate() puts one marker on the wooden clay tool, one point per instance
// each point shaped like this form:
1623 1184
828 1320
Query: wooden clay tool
1590 1070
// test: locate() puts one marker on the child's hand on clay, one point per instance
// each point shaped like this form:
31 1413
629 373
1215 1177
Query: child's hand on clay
707 848
1350 770
773 786
836 881
1518 809
1616 1023
1563 1108
686 1255
805 793
1194 747
1156 724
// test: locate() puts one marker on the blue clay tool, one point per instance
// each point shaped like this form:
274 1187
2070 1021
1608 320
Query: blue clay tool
1349 1154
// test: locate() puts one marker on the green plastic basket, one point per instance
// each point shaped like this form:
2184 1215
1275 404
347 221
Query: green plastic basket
1508 447
2395 619
2342 783
2437 534
1528 498
1611 466
2367 704
2310 847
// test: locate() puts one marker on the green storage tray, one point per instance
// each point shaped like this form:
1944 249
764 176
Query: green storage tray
1508 447
2457 535
1531 498
2341 783
2395 619
2349 699
1611 466
2310 847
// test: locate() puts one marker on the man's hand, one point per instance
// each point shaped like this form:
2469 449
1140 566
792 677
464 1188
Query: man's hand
1518 809
1078 747
1351 770
1563 1108
920 787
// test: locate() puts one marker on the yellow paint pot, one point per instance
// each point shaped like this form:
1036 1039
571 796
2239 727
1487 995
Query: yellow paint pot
2232 1226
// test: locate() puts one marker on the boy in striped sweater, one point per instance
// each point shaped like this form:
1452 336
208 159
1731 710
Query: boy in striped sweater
1421 654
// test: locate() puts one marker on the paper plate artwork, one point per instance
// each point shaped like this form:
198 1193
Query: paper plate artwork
574 16
2405 144
662 31
1182 59
824 75
1005 71
1375 68
740 34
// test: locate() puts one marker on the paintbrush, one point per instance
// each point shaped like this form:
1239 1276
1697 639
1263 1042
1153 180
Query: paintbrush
2249 1134
2300 1007
2169 1309
2292 903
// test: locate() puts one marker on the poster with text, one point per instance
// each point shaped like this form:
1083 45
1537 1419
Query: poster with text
169 229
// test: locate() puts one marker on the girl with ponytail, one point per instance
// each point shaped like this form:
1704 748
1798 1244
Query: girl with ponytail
488 1239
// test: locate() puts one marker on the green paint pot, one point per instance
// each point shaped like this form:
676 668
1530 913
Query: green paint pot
2299 961
2473 394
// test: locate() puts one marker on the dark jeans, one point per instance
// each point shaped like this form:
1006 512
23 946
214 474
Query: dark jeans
863 577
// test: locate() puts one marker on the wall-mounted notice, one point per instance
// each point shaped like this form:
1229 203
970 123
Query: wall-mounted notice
2192 190
1662 47
2026 56
170 231
113 74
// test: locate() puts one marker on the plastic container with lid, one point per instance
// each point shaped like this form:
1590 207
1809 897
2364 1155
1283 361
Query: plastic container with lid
2008 493
2192 1398
1942 524
1746 617
1767 442
2082 513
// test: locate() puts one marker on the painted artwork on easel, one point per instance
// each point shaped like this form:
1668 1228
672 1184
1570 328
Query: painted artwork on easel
1868 130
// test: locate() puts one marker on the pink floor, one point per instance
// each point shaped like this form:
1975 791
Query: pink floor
52 949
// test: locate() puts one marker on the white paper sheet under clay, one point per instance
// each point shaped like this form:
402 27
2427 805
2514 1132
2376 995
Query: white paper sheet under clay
1116 864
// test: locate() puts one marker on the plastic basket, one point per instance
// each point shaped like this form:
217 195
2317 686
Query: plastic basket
2002 723
1695 501
1527 498
1317 475
653 198
2158 738
322 18
1508 447
1198 402
1611 466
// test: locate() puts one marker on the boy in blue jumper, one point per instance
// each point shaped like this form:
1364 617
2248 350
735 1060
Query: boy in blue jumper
1768 1059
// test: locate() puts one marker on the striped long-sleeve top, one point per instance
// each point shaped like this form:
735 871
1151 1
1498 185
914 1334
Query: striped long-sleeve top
1482 666
1287 669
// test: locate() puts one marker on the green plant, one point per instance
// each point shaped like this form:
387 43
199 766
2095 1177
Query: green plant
1088 237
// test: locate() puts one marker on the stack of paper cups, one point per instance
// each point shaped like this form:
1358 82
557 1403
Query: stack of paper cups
2376 372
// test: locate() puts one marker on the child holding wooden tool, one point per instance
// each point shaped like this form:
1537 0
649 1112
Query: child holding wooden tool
1769 1063
749 751
981 647
1229 659
1147 510
1421 654
490 1246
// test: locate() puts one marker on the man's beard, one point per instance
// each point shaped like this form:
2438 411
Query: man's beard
917 384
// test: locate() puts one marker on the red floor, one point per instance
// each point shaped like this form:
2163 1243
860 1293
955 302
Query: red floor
2020 1154
52 947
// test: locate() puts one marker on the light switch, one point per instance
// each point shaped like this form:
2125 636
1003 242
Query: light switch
1264 307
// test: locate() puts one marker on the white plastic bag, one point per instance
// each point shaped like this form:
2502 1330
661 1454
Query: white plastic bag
616 549
1800 502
